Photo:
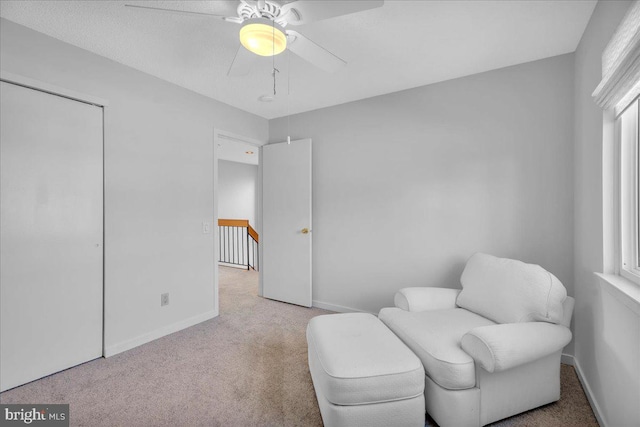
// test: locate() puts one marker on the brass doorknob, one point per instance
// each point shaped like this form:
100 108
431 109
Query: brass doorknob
305 231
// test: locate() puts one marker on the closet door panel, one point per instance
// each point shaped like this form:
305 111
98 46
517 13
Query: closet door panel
51 241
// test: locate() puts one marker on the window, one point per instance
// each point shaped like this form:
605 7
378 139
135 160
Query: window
629 193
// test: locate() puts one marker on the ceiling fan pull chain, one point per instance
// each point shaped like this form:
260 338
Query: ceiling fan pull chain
273 73
273 56
288 94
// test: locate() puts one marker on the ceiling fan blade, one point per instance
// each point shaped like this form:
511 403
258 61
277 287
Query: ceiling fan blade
242 63
313 53
184 12
303 12
234 19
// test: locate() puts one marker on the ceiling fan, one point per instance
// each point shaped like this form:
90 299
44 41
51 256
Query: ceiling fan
264 29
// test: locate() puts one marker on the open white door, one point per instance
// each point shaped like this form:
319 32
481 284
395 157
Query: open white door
286 226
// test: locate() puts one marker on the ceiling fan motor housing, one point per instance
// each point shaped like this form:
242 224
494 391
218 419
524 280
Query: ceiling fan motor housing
269 10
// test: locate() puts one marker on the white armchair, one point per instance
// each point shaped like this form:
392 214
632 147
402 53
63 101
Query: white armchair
492 349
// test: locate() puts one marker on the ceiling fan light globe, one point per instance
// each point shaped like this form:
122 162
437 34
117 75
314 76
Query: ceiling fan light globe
263 37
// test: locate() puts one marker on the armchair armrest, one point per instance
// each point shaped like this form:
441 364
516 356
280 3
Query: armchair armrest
423 299
500 347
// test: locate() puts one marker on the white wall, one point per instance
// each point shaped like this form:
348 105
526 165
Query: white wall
407 186
237 191
607 333
158 183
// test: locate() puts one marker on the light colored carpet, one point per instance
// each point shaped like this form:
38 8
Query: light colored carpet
248 367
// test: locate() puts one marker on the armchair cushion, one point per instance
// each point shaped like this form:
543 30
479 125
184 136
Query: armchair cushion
510 291
434 336
500 347
421 299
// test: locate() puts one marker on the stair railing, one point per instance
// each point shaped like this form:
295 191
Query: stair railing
238 243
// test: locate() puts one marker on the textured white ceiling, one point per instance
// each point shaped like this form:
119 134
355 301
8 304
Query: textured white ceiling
238 151
401 45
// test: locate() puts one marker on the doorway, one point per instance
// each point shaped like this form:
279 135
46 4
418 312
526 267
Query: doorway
237 207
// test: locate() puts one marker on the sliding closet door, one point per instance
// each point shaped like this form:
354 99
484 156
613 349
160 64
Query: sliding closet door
51 208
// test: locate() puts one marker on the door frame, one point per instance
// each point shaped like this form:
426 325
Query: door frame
220 134
42 86
52 89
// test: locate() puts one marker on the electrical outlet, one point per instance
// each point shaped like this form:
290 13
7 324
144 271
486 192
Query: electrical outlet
205 227
164 299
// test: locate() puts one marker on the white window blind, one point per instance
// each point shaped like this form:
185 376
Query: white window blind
621 64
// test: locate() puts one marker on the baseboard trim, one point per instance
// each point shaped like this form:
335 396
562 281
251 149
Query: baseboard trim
336 308
587 390
239 267
112 350
568 359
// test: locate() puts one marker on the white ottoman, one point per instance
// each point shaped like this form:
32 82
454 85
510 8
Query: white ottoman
363 374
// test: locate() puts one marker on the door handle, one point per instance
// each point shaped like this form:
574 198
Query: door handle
305 230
